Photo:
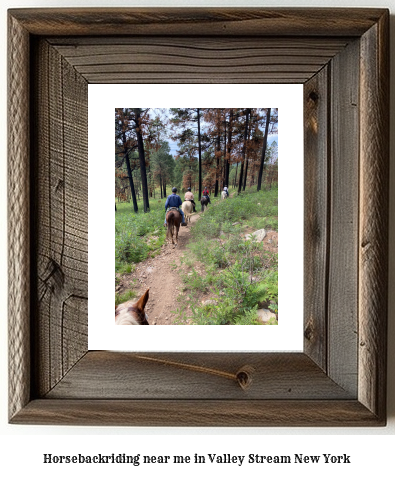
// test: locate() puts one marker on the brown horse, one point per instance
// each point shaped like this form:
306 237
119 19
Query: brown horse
132 312
173 219
204 202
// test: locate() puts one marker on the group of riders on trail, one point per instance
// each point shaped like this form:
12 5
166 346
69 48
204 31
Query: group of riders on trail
174 201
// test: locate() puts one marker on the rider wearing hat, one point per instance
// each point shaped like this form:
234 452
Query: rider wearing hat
189 197
174 200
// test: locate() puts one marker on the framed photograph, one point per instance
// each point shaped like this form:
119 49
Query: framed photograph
341 59
201 281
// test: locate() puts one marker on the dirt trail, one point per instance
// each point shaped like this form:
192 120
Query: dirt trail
161 276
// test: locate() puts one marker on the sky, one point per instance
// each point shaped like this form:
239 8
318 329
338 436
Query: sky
173 144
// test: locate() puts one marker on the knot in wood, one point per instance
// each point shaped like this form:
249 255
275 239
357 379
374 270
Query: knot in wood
244 376
313 96
308 332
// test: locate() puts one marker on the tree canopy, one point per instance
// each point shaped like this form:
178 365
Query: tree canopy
191 147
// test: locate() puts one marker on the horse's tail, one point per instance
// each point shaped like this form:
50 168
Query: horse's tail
188 208
170 226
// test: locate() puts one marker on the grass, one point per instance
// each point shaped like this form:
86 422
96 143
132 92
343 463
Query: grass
138 236
240 275
121 298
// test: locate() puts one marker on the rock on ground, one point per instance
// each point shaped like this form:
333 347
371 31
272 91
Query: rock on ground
259 236
264 315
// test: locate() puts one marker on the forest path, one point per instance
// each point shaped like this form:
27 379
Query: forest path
161 276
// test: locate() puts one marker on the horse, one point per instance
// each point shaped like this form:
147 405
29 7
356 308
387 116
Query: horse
187 208
204 202
173 219
224 195
132 312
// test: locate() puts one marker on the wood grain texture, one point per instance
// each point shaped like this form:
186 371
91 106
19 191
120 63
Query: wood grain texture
314 388
204 375
197 60
61 208
374 210
18 214
201 413
343 246
199 21
316 214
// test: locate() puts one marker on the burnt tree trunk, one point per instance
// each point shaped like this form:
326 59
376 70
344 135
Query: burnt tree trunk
217 171
229 147
129 169
244 150
263 149
247 161
140 146
235 182
200 154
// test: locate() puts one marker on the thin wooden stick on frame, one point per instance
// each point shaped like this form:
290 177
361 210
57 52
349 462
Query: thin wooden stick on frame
341 56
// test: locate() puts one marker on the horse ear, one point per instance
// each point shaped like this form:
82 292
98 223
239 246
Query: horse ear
141 303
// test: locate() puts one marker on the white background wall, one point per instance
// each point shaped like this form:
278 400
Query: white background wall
23 447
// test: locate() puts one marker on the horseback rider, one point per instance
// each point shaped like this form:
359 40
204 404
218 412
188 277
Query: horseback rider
174 200
205 193
189 197
226 190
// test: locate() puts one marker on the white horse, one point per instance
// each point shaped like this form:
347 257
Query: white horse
132 312
187 208
224 195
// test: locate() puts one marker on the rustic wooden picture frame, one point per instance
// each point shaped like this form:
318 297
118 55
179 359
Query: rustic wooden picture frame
342 58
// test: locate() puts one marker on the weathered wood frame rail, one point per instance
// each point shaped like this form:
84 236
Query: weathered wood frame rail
342 58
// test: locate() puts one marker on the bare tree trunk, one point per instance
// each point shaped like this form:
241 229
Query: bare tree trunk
235 182
263 149
244 150
224 162
126 157
200 155
217 168
247 161
140 145
229 147
135 207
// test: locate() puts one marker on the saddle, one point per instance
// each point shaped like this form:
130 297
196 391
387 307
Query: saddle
173 208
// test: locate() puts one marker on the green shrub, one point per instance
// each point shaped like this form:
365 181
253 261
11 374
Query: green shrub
137 235
121 298
240 274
